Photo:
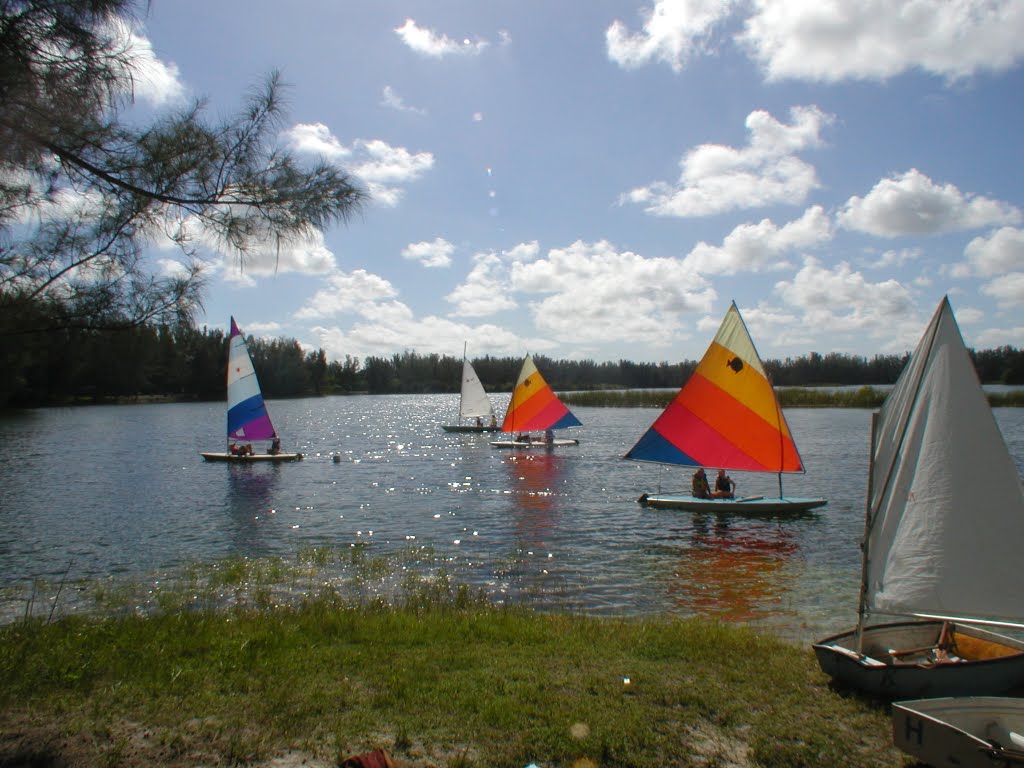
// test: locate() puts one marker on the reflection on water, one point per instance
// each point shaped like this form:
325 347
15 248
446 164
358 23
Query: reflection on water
729 567
249 502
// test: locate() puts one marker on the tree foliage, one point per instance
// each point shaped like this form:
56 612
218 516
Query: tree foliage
84 187
83 365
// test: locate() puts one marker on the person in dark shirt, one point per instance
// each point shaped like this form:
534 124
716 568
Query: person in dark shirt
701 489
725 488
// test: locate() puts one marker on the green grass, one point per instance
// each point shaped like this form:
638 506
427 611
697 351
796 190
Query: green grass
438 677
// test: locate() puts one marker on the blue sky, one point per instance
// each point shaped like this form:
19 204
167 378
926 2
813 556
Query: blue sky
599 179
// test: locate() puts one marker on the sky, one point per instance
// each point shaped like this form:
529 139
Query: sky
600 179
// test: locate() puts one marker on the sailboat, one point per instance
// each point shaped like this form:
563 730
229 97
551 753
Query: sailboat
473 403
535 407
248 419
943 536
726 416
961 731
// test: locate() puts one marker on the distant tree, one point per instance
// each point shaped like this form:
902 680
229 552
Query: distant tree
83 188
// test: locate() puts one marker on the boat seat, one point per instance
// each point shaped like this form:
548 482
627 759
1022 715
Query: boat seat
865 660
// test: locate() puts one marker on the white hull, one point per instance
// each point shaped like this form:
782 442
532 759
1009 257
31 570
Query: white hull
256 458
972 732
748 505
534 443
973 661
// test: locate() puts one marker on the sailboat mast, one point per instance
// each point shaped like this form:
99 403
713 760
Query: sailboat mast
862 600
462 384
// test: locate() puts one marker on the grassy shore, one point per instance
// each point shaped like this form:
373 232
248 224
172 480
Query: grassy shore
789 397
438 677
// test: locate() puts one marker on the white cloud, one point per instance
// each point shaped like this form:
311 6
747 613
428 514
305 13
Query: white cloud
308 255
762 246
154 81
1008 291
359 292
912 204
833 40
840 301
990 338
436 46
380 166
317 139
263 329
895 258
996 255
434 253
383 337
390 98
673 31
485 290
522 252
717 178
595 293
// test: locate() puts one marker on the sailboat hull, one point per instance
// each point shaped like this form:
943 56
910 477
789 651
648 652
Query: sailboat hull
256 458
748 505
961 732
558 441
468 428
982 663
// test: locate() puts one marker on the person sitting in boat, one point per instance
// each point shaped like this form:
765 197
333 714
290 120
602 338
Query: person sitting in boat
494 420
549 436
479 421
275 446
236 450
701 488
725 487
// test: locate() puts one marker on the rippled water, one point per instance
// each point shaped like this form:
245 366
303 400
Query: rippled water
121 491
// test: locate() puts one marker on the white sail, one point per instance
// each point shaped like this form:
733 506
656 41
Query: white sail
474 401
946 522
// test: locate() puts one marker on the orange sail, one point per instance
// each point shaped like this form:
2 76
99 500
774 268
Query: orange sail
726 415
534 405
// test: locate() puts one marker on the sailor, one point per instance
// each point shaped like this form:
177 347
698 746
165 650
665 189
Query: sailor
725 487
701 489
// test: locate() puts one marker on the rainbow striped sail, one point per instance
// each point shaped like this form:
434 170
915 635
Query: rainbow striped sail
247 413
534 405
726 415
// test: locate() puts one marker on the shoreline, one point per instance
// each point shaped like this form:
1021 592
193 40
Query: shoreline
441 679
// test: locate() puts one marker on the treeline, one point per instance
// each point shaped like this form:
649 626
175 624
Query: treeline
183 362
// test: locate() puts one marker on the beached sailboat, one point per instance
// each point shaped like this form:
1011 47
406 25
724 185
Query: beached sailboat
726 416
944 532
473 404
535 407
961 732
248 419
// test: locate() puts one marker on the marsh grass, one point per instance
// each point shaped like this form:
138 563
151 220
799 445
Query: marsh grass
436 674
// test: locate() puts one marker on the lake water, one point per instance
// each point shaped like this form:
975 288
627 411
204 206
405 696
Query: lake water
119 494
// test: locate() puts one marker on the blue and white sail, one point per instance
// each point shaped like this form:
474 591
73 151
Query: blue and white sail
247 413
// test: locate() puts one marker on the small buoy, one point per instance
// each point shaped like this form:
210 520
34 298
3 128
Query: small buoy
337 458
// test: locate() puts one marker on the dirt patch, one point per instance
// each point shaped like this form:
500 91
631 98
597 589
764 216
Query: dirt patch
25 743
